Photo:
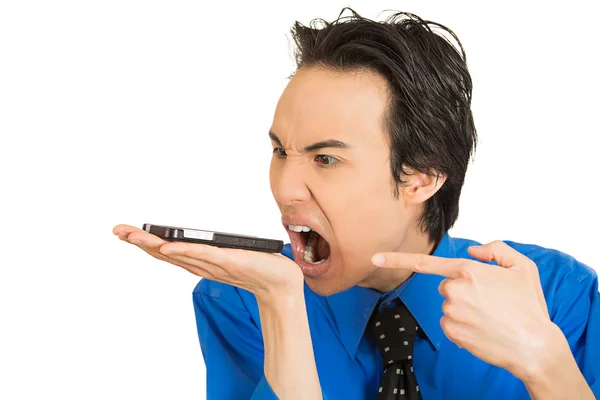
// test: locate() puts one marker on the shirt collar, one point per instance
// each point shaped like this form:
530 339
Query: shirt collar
353 308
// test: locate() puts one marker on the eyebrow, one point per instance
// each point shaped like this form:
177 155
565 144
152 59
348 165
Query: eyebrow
323 144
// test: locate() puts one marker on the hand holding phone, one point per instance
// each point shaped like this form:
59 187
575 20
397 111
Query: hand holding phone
265 273
219 239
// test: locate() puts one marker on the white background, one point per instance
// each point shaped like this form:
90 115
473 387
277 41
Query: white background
158 111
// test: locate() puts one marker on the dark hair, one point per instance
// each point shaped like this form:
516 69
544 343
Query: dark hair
429 116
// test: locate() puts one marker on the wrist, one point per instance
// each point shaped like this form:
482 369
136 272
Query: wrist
280 301
282 295
554 373
542 359
289 364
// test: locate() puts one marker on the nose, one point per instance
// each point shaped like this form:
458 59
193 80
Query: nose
288 182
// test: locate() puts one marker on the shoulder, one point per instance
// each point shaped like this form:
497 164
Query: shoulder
556 268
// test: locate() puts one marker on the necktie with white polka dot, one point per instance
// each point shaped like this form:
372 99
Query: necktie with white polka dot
395 330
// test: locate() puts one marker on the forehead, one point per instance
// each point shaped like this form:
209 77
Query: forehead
322 104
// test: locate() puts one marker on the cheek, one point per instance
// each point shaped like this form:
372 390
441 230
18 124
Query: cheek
364 234
367 220
274 172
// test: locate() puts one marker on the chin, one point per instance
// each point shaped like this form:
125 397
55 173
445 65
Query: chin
326 287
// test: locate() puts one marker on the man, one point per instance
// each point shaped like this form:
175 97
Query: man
371 142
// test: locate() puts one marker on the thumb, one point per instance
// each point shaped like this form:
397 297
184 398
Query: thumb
497 251
507 257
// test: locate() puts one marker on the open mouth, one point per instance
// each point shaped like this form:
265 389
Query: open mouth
316 249
308 244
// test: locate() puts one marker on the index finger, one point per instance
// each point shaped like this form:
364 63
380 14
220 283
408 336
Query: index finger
421 263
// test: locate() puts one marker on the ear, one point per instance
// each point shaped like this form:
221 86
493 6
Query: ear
419 187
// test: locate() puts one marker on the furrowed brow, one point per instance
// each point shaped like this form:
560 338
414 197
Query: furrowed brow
323 144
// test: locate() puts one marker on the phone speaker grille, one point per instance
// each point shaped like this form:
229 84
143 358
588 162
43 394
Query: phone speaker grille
246 242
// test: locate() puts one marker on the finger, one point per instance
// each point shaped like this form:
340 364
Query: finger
452 311
454 289
421 263
455 331
202 252
199 268
153 245
143 238
212 269
184 263
443 288
124 229
498 251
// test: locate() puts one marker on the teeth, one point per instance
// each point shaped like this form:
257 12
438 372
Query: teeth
310 243
308 251
299 228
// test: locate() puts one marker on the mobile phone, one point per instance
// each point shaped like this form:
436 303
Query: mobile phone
219 239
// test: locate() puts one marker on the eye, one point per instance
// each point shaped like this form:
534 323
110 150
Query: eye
325 160
279 152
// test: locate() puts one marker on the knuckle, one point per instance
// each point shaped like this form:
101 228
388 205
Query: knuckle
442 289
465 271
447 327
446 288
445 307
419 263
444 322
449 309
497 244
451 330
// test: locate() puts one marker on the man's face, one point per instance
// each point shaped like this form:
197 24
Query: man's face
342 187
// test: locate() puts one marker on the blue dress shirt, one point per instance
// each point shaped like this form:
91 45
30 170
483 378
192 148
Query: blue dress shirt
348 362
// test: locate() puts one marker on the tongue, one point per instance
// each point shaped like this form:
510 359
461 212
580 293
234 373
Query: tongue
322 249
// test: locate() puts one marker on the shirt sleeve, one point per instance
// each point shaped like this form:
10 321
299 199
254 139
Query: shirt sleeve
231 344
578 316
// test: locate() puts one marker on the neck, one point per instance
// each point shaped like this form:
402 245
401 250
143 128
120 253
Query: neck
384 280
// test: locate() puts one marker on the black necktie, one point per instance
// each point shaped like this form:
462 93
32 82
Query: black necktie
395 330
